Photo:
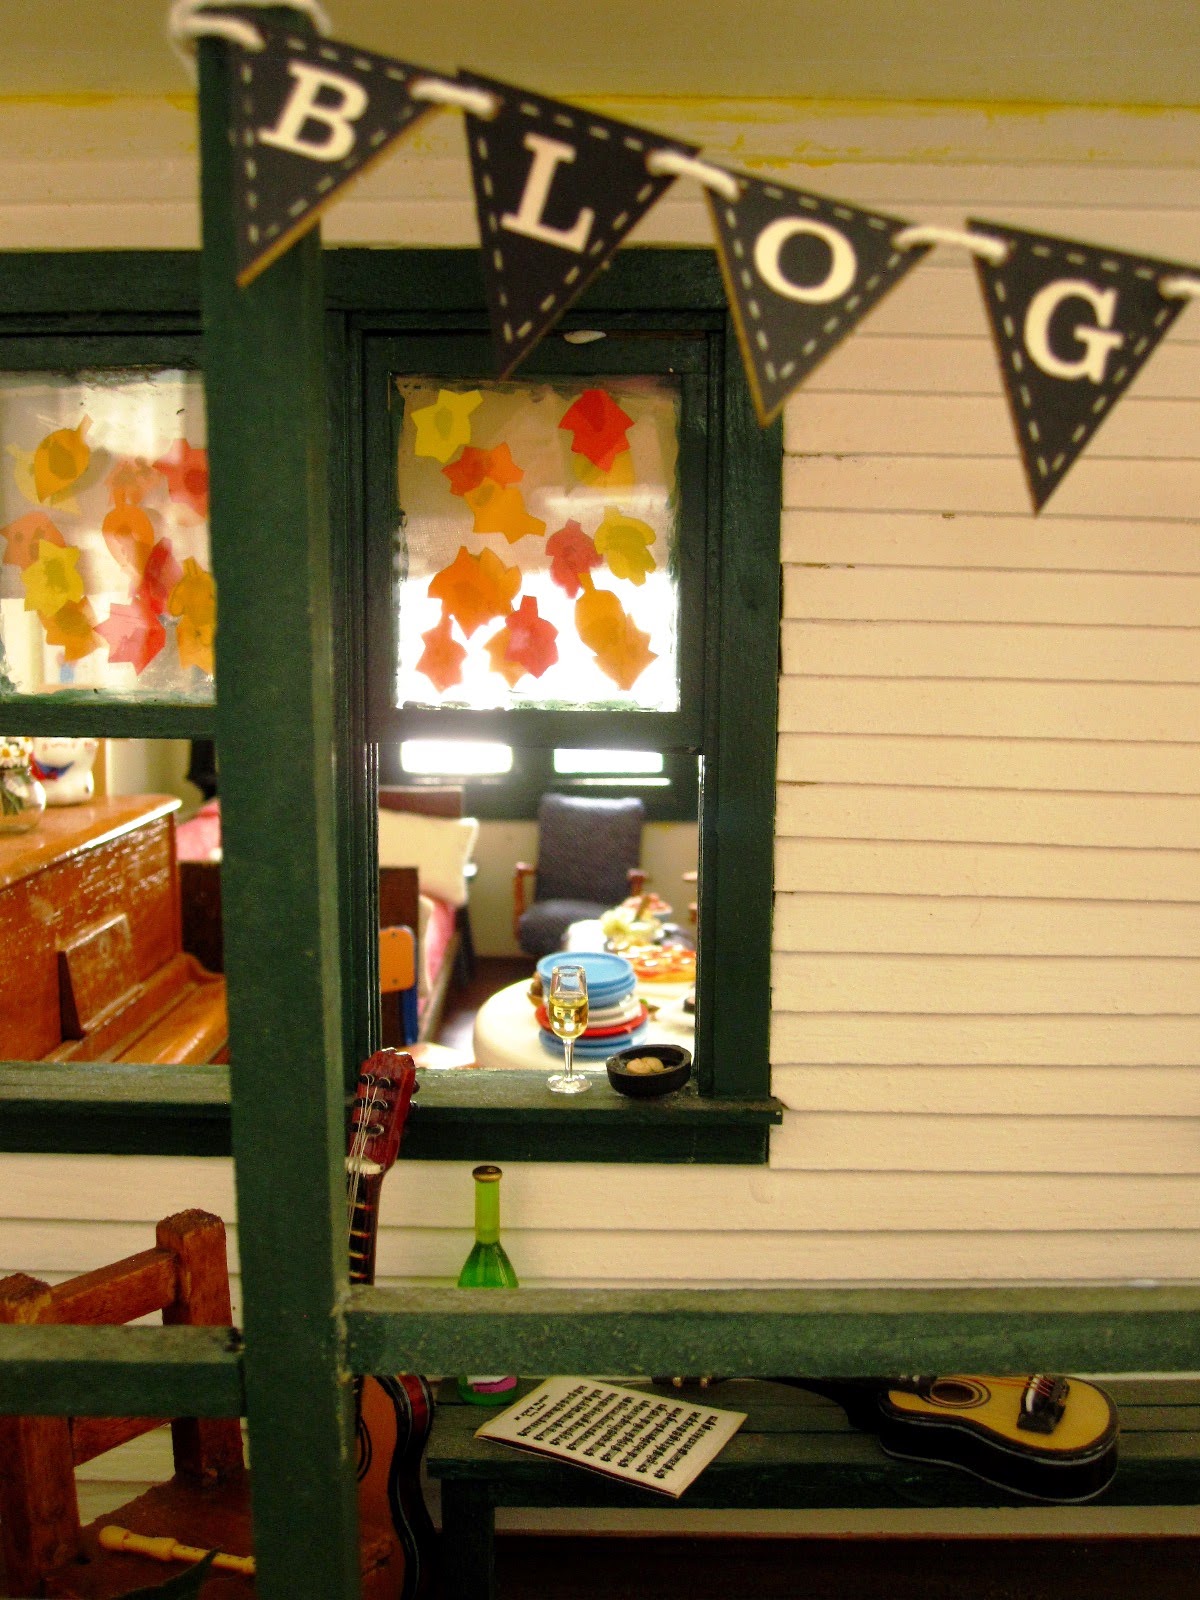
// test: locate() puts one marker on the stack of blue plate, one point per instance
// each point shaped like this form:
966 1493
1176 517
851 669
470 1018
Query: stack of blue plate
616 1017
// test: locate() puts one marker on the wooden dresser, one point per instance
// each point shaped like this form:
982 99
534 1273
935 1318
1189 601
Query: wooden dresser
93 968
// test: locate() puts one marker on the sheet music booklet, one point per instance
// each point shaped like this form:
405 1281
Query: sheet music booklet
662 1442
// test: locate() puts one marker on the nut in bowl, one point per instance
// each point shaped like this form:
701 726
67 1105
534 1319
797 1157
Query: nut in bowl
645 1071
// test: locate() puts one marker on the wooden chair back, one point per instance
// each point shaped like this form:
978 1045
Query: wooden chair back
186 1278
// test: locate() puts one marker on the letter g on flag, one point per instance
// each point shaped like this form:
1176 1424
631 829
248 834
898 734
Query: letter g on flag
1073 325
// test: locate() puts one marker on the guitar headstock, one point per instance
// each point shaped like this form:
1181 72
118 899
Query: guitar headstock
382 1098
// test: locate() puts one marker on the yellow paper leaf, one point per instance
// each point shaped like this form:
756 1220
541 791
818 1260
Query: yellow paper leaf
52 580
625 542
445 426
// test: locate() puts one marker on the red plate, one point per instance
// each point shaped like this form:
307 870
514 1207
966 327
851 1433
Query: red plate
635 1021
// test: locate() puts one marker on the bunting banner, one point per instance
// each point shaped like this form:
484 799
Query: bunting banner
556 190
307 116
800 272
1073 326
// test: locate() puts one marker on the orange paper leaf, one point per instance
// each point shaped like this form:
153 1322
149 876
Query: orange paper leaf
443 656
195 641
500 508
621 649
129 535
474 589
72 629
194 595
23 536
61 460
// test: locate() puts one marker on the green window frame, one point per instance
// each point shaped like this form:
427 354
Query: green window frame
670 303
96 308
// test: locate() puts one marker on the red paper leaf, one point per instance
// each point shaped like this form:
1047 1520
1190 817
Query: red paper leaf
573 553
132 633
531 639
185 467
599 425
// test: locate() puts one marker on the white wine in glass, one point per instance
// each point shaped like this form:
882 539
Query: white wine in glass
567 1005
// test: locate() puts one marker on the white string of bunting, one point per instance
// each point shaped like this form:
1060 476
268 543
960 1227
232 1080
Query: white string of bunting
557 190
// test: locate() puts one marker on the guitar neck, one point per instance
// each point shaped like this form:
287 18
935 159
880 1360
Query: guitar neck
364 1228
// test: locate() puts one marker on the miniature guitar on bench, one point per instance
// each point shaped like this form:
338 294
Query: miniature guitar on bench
394 1413
1049 1438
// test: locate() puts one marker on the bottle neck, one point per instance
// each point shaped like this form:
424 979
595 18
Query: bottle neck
487 1211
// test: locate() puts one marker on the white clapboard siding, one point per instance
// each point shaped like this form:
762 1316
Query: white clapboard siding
816 538
986 974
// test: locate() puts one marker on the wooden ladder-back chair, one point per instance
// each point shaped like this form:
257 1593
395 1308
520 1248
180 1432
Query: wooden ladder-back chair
207 1501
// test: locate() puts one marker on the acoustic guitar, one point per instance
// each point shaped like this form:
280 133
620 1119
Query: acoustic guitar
394 1413
1046 1437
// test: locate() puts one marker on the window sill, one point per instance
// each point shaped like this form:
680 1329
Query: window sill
117 1109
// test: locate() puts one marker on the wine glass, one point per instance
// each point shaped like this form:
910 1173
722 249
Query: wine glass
567 1005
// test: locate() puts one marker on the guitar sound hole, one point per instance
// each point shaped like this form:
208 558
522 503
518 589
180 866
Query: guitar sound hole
957 1392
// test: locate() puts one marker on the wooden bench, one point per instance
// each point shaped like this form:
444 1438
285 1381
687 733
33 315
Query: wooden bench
795 1451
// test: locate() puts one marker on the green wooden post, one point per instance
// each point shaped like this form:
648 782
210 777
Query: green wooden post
267 419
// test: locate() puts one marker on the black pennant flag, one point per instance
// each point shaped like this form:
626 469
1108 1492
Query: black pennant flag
1073 324
307 116
557 189
800 271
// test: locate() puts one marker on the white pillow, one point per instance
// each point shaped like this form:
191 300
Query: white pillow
439 848
424 977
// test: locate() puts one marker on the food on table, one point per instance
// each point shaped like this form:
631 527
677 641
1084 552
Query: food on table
643 1066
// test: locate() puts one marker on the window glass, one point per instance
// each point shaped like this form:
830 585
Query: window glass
608 761
105 575
454 758
539 544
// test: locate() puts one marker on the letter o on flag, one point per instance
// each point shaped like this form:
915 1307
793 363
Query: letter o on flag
843 263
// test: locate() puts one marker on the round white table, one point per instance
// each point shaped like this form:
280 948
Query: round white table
507 1034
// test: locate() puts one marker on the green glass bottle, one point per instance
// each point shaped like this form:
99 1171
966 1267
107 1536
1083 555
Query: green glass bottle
487 1267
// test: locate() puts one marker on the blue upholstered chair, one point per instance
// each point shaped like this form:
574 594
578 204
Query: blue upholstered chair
588 860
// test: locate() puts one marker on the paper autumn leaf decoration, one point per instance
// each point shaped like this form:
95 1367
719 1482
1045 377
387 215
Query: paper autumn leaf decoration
474 465
129 535
599 425
61 460
526 643
72 629
621 649
23 536
133 633
131 479
445 426
474 589
195 643
500 508
185 467
52 580
194 595
625 542
161 577
619 476
572 553
442 659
